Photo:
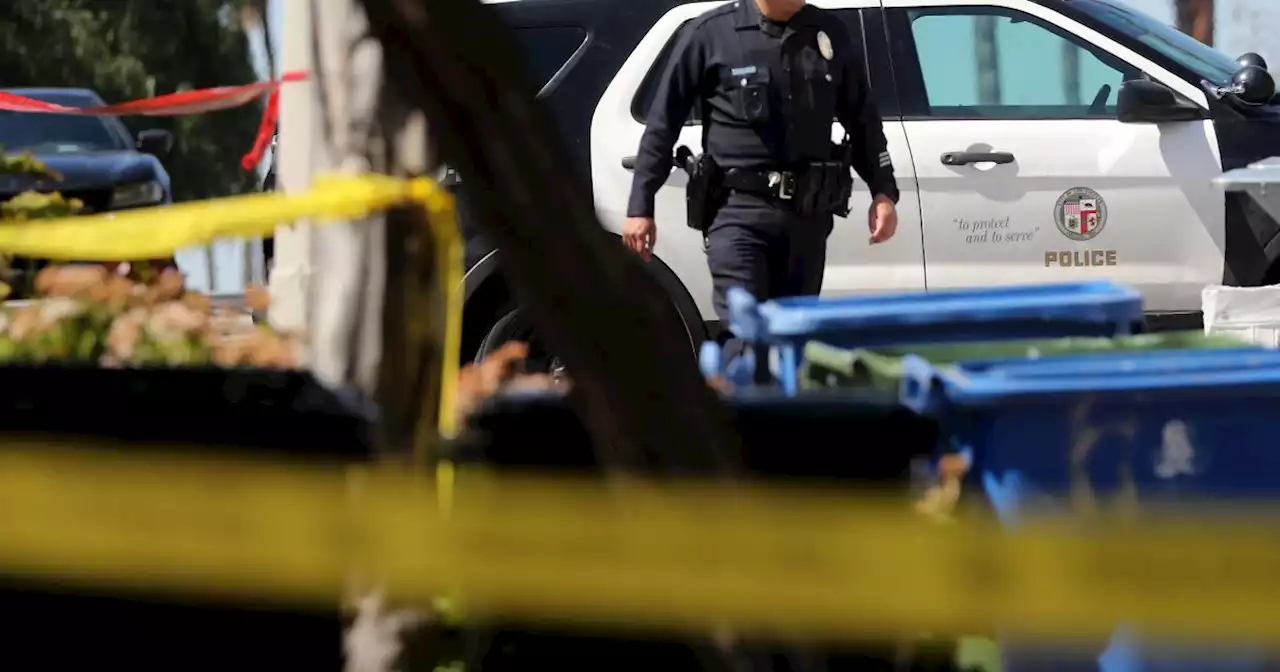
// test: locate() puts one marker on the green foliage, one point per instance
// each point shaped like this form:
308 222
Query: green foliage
127 49
34 205
978 654
25 164
63 330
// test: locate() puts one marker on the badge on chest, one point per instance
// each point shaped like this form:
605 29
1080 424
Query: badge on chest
824 46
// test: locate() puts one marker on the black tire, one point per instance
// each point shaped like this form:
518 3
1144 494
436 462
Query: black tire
512 326
506 328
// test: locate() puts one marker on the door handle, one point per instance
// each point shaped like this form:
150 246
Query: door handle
629 162
966 158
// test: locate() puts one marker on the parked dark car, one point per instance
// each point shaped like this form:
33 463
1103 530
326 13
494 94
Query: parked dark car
101 164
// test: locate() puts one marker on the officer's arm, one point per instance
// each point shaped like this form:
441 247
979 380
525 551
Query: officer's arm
857 112
679 90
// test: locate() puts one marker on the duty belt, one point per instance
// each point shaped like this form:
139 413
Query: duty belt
775 183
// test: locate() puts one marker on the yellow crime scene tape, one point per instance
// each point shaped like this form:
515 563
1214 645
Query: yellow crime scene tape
687 556
680 556
148 233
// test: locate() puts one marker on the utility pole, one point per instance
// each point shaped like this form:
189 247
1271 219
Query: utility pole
987 55
1071 73
290 278
1195 18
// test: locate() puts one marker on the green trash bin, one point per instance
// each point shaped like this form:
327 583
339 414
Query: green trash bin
827 367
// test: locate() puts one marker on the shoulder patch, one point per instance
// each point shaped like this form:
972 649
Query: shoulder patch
722 10
697 22
689 29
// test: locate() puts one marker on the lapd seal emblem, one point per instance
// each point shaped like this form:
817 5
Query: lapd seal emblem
1080 213
824 46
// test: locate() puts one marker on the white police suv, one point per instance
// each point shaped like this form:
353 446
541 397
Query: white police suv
1034 141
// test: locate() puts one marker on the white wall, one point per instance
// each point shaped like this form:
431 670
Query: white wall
1249 25
1239 25
1161 9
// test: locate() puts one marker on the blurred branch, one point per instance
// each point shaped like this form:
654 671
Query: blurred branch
636 382
254 16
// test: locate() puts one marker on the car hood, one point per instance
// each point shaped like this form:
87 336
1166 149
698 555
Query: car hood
90 170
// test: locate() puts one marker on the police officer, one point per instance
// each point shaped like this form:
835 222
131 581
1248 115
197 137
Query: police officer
771 75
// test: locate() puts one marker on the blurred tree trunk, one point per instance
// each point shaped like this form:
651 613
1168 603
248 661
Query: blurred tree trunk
1071 73
636 384
254 16
269 49
987 55
1195 18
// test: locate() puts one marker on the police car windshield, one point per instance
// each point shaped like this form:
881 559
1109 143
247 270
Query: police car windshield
1190 53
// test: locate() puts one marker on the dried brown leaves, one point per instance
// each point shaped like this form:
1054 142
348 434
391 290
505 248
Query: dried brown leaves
502 371
939 501
88 313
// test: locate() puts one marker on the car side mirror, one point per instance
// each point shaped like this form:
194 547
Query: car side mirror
1251 58
1143 101
155 142
1253 85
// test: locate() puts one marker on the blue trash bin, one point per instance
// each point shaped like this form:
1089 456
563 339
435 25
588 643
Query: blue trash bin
950 316
1164 424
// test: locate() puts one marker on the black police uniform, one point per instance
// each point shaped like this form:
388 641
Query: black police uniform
769 92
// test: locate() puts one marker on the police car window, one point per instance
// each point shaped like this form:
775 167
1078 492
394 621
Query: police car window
995 63
546 49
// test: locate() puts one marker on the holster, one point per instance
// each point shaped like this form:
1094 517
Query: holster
706 185
827 186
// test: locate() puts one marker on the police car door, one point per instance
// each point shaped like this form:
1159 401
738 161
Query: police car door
1025 174
852 264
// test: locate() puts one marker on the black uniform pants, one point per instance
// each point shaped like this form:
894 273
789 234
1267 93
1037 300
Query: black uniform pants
765 247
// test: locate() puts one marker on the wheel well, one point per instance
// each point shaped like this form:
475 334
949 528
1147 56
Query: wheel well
493 298
489 302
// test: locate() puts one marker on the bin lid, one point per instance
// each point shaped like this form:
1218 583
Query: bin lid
1204 372
1092 303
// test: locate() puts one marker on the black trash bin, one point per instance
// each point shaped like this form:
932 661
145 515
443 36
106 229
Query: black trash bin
857 439
283 415
862 439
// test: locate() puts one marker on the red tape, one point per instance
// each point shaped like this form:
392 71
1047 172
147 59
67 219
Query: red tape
196 101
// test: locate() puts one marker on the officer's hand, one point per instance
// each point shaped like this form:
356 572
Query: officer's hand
882 219
640 234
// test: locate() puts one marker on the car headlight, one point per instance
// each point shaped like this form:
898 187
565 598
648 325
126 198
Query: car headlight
140 193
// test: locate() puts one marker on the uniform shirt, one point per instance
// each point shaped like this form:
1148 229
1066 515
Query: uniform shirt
733 54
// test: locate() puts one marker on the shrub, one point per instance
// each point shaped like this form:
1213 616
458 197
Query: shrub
96 314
